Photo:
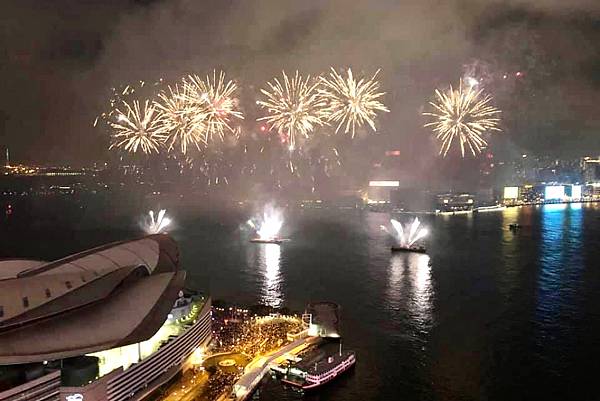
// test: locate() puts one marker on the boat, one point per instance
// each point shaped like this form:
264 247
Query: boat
514 226
412 248
267 240
322 372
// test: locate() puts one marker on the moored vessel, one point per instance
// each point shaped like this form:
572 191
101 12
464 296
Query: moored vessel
412 248
267 240
322 372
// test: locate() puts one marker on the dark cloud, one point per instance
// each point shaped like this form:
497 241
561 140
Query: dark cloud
61 57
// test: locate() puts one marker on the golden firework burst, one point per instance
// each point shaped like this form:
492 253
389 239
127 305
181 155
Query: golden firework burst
215 96
294 106
137 127
351 103
183 120
462 115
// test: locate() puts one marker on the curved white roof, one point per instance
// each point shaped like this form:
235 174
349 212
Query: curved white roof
9 268
115 286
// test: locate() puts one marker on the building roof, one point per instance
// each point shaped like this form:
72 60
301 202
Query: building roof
113 295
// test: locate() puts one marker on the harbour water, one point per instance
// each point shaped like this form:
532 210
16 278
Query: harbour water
488 314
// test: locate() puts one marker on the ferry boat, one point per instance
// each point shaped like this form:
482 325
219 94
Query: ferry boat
277 241
321 372
413 248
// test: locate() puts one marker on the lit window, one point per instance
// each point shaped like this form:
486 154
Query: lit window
26 302
48 293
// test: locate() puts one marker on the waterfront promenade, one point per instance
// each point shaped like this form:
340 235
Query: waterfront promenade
255 370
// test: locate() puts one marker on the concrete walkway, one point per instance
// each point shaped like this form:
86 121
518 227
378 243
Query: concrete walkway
255 370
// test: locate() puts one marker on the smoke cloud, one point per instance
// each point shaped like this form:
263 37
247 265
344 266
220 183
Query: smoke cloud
62 58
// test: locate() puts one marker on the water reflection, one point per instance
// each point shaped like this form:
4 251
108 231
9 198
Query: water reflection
511 242
561 263
269 264
409 287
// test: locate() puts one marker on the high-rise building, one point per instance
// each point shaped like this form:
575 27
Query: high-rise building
591 170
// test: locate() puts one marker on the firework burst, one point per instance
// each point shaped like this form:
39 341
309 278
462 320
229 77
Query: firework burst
294 106
351 103
463 115
137 128
183 120
215 97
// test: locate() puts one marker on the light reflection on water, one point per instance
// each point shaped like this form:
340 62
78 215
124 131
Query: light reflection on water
409 287
560 264
270 292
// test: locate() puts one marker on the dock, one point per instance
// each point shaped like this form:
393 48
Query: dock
256 370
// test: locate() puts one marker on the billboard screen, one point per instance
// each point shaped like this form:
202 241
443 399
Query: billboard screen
554 192
511 192
384 183
576 192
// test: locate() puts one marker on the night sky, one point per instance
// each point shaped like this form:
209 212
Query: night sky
60 58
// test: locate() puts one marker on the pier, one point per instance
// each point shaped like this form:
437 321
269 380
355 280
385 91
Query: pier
256 370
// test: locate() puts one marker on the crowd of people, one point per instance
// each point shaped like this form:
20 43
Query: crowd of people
217 383
254 336
236 330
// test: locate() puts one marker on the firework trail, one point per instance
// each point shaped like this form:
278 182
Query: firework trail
351 103
462 115
216 166
294 106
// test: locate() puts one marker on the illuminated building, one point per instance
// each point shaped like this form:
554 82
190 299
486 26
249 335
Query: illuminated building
574 192
528 194
379 191
554 193
455 202
510 195
110 323
591 170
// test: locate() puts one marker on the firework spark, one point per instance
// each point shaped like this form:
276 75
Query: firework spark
463 114
406 236
156 225
269 225
351 103
216 98
294 106
125 93
137 128
183 120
